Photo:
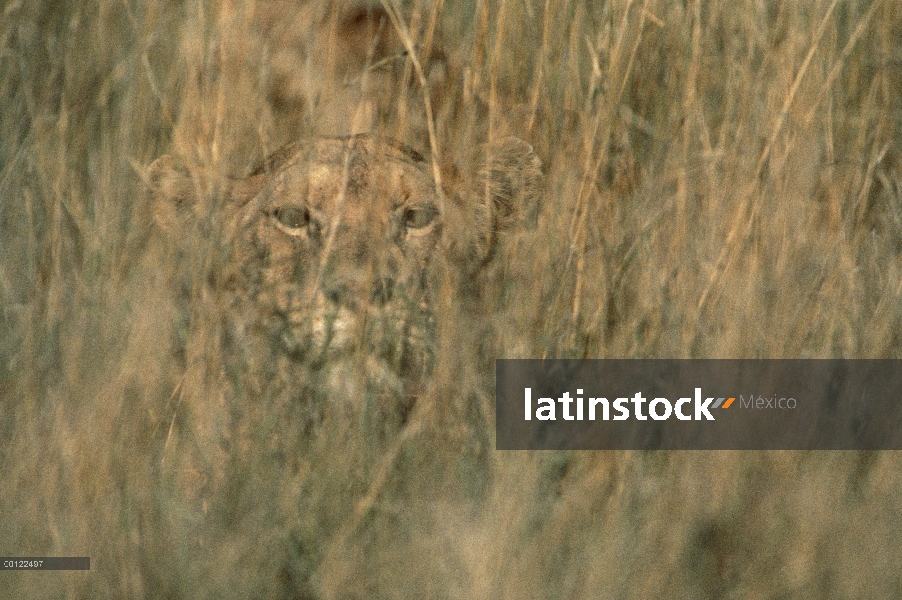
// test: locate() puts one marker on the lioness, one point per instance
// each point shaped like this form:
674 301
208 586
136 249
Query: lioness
331 253
322 286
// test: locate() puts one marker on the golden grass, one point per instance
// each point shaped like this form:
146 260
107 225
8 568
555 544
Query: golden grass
722 179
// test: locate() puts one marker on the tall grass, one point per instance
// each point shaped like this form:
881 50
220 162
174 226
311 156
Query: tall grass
722 179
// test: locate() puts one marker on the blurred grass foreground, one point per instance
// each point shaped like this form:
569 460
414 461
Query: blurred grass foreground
721 180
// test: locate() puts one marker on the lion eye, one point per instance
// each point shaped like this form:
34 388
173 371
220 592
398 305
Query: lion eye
297 221
291 217
417 218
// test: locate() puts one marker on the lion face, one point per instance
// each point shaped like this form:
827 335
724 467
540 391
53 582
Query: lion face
336 248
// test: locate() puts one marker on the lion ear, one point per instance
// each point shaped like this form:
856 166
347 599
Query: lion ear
509 186
172 193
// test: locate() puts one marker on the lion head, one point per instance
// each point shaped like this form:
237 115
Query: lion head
335 249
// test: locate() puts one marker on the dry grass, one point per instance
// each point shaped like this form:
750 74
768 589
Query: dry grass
722 179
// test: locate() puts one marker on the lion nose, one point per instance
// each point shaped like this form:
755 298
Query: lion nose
348 294
338 294
382 291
